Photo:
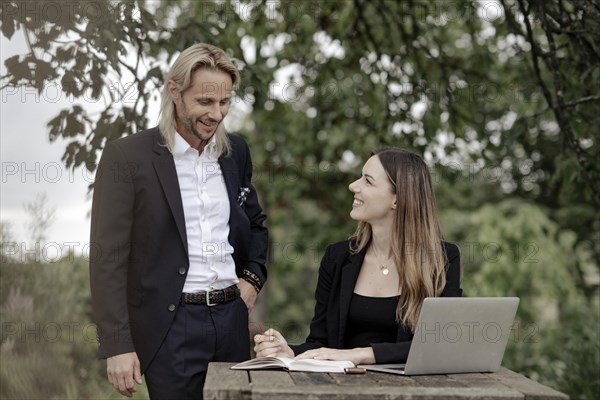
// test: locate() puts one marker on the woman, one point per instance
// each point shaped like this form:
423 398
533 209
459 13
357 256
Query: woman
371 287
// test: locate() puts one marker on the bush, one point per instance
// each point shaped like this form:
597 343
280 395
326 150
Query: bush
48 339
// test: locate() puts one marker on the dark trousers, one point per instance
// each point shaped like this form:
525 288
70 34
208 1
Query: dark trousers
199 334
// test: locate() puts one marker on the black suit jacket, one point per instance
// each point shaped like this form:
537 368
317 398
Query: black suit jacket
338 274
139 255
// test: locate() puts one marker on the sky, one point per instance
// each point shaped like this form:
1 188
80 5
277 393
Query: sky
32 166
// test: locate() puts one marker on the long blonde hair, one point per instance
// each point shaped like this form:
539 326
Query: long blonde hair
417 247
190 60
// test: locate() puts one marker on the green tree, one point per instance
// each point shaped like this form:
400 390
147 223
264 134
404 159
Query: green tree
513 248
478 85
41 218
501 98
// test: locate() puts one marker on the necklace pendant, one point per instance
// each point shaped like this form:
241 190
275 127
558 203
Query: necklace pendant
385 270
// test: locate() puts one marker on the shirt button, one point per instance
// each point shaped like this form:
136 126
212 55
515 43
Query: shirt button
182 271
171 307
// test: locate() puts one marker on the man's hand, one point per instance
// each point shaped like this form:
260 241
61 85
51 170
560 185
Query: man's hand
248 293
122 370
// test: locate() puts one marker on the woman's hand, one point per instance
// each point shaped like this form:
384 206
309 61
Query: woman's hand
271 343
359 355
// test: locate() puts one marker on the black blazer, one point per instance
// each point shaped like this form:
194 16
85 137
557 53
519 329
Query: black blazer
139 255
337 277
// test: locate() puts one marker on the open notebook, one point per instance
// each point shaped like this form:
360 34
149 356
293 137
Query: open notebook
289 364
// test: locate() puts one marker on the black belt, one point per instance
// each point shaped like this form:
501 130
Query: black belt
211 297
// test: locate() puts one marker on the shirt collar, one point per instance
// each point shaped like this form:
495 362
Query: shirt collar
181 146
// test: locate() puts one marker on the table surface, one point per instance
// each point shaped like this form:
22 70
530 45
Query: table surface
224 383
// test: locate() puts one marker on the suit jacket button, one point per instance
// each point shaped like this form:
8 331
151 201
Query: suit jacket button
182 271
171 307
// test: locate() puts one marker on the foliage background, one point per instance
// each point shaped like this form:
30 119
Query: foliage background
501 98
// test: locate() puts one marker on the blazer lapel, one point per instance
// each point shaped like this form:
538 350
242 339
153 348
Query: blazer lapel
228 168
350 273
167 176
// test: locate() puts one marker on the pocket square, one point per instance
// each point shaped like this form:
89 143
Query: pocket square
243 194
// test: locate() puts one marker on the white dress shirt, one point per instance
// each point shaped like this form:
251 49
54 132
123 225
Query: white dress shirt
206 209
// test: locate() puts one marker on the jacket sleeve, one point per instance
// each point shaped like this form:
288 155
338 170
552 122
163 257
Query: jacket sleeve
257 257
452 288
318 327
390 353
110 236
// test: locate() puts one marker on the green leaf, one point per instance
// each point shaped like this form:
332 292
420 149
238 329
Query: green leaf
13 66
8 13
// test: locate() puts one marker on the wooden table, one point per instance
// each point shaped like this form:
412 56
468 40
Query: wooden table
224 383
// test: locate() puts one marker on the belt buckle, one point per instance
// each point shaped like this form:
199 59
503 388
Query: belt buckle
208 303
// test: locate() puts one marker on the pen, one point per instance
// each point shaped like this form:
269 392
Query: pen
356 371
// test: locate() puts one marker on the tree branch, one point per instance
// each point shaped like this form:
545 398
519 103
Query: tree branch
562 121
582 100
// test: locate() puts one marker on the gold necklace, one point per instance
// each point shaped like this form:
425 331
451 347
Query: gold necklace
384 269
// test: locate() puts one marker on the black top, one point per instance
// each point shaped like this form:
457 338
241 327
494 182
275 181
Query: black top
371 320
338 274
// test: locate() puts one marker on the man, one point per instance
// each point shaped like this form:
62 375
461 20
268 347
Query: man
180 246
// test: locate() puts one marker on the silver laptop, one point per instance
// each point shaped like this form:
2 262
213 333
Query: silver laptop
458 335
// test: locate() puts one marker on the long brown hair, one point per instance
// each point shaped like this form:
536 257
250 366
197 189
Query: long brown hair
417 237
